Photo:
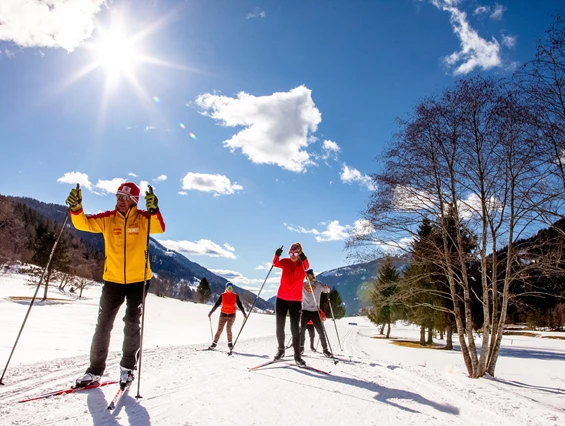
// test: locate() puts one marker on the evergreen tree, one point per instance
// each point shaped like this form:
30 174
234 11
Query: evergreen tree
204 291
385 305
337 304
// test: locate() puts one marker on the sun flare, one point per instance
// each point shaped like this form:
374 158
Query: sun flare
116 53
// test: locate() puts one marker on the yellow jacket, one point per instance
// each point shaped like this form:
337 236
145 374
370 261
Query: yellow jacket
125 239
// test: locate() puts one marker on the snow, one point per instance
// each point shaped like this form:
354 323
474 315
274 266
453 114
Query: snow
377 383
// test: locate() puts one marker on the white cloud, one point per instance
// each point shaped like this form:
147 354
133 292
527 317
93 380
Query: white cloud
230 248
276 127
76 177
481 10
409 199
256 13
147 128
132 174
49 23
349 175
475 51
182 192
109 186
198 248
251 284
161 178
497 12
509 41
331 149
9 53
218 184
334 231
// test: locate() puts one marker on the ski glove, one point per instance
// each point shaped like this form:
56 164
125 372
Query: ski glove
74 200
279 252
302 256
151 202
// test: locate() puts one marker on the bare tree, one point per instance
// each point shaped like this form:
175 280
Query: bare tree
467 160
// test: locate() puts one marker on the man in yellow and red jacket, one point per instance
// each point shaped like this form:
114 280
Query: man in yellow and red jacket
228 299
289 298
125 238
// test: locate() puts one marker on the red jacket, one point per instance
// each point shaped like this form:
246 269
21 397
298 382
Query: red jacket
293 274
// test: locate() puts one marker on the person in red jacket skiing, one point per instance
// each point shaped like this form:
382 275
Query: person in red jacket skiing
289 298
228 299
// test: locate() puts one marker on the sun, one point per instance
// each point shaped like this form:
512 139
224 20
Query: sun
117 53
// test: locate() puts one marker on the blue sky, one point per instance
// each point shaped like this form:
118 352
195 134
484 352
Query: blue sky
256 122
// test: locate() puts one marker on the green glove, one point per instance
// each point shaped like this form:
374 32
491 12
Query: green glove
74 200
278 252
151 202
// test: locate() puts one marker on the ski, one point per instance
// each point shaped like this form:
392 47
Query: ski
308 367
274 361
121 391
72 389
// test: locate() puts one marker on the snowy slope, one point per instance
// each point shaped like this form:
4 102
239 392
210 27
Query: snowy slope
378 384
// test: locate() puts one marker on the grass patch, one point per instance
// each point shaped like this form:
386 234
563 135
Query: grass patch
39 300
412 344
520 333
553 337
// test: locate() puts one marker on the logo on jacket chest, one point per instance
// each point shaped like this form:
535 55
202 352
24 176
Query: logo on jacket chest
130 230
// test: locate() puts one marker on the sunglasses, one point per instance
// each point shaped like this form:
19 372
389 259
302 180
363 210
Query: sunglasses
122 197
294 254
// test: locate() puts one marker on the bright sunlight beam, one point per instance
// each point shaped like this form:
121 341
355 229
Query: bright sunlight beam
116 53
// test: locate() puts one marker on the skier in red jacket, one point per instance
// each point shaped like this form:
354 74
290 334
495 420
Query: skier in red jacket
289 297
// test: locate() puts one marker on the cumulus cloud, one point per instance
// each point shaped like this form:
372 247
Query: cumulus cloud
276 128
199 248
76 177
109 186
349 175
334 231
161 178
218 184
52 23
256 13
132 174
475 52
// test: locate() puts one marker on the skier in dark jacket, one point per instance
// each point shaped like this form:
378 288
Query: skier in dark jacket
228 299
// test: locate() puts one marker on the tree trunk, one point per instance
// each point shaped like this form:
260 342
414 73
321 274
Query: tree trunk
430 336
441 334
382 330
422 335
46 283
388 331
449 338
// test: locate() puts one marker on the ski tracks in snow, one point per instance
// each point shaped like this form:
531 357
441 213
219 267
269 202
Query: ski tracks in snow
184 386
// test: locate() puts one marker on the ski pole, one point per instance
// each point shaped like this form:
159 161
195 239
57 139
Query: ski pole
252 306
144 296
335 325
36 290
320 316
211 331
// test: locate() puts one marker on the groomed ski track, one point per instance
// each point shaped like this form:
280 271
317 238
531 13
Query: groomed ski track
184 386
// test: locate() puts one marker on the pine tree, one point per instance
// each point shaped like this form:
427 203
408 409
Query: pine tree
385 305
204 291
337 304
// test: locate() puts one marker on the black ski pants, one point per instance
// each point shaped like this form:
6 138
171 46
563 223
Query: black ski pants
313 316
113 296
282 307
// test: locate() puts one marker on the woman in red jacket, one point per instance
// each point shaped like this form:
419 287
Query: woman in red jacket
289 297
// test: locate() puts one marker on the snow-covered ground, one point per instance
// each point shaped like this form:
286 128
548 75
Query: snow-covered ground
378 383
